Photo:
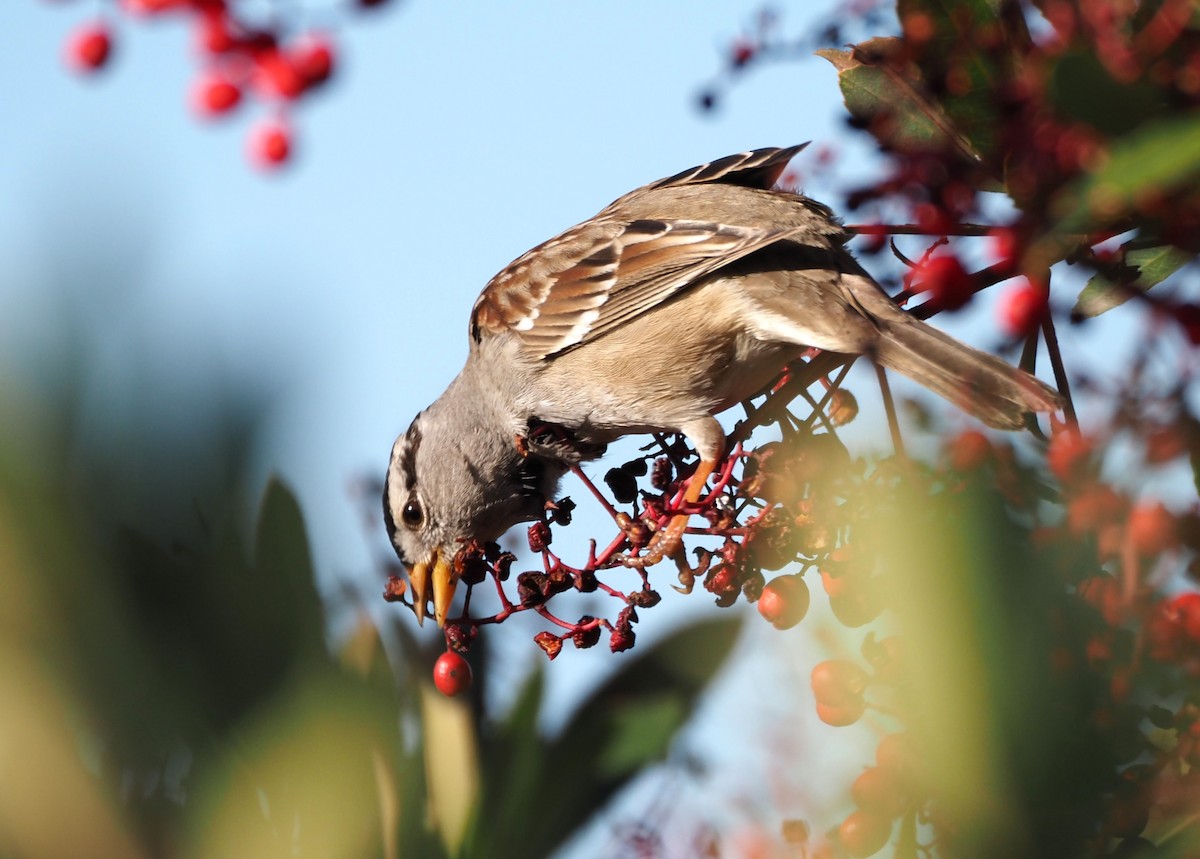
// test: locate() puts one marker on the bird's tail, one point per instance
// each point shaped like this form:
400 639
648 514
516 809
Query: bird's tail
980 384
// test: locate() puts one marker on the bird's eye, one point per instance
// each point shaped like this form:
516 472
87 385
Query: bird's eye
413 514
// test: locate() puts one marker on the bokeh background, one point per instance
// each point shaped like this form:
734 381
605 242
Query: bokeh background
179 330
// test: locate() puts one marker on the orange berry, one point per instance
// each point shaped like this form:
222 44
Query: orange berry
1152 528
863 833
784 601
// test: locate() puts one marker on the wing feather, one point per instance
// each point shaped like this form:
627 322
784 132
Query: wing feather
602 274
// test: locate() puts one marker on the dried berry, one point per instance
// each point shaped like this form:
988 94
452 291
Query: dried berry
645 598
532 588
623 485
550 643
587 632
662 474
394 589
539 537
560 511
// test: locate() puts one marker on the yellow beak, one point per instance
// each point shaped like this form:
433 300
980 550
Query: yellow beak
444 581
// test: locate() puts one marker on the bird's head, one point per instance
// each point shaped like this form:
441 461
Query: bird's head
452 479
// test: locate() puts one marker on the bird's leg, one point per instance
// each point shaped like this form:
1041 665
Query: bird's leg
709 438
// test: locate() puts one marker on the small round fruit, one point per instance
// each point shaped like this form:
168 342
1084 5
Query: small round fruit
89 48
895 755
451 674
1152 529
864 834
879 791
838 683
1022 308
314 60
968 450
841 715
215 95
270 145
948 283
784 601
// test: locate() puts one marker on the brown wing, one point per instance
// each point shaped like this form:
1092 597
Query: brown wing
760 168
599 275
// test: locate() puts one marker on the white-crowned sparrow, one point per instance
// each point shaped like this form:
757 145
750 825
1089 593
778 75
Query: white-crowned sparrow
677 301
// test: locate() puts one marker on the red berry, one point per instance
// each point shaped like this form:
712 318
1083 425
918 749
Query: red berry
968 450
1103 593
214 34
864 834
835 585
89 47
784 601
841 715
1005 245
1152 529
1093 508
879 791
1186 608
313 60
1068 454
949 284
1166 630
270 145
837 682
214 95
895 754
855 606
277 75
932 219
451 674
152 7
1022 308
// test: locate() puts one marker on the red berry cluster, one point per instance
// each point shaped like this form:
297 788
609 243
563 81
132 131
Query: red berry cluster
239 60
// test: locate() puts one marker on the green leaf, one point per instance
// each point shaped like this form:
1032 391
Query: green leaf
888 98
1082 89
1154 265
1156 160
1161 717
642 731
284 574
955 45
537 792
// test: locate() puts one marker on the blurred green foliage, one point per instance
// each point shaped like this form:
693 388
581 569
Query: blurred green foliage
170 690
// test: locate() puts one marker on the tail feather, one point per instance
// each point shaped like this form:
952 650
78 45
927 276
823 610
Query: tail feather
980 384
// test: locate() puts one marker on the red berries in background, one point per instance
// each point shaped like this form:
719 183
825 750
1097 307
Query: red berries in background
240 59
864 834
948 283
215 95
1152 529
1005 245
1022 308
784 601
270 145
313 60
451 674
968 450
838 686
89 47
880 791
